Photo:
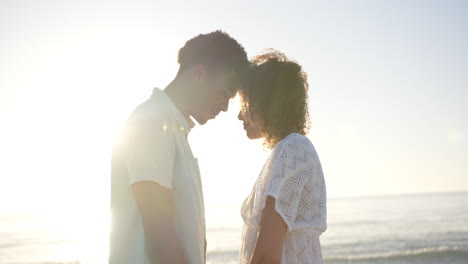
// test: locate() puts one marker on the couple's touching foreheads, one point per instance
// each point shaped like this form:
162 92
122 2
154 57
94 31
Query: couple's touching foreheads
156 191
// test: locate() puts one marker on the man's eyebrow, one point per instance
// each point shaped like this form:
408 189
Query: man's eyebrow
234 86
231 91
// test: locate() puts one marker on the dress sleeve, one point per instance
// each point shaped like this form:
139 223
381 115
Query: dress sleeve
286 179
150 151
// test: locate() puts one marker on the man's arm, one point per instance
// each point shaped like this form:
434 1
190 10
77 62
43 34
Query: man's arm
268 249
156 206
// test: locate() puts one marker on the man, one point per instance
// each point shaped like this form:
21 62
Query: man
156 193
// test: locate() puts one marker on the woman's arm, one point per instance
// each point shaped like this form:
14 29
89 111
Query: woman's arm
273 229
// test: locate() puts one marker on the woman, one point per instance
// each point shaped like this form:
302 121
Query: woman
286 211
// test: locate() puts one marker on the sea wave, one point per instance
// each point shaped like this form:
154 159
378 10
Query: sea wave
430 252
218 253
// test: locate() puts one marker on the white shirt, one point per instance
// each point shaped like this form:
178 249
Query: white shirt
154 148
293 176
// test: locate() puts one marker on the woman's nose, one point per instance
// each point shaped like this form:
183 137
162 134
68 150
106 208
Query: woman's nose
240 116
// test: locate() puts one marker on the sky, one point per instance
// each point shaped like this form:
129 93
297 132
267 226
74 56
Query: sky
388 93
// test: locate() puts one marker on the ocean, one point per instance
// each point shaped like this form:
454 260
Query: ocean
420 228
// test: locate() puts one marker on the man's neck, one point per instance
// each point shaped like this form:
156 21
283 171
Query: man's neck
176 92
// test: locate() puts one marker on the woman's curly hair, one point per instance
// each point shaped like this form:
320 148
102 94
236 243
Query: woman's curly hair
275 96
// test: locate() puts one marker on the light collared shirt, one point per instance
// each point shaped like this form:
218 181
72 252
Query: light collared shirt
154 147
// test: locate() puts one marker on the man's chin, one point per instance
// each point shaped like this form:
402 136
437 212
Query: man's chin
201 120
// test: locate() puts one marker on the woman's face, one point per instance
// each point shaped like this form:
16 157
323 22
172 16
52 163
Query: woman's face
253 129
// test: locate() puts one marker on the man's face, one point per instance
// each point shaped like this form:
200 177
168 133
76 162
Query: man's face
212 94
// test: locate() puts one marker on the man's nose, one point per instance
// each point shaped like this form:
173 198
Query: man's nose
225 105
240 116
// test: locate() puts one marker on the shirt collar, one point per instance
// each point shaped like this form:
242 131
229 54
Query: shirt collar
185 123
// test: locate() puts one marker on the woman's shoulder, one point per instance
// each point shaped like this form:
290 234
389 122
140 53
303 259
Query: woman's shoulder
292 146
296 141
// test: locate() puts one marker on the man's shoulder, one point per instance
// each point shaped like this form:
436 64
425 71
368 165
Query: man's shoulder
153 116
151 110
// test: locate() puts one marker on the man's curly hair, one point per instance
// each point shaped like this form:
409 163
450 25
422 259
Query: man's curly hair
216 50
275 96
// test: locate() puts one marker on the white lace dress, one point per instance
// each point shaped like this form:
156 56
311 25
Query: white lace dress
293 176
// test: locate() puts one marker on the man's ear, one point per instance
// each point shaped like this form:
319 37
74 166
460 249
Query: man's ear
199 71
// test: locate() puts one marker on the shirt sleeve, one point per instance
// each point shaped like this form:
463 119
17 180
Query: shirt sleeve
150 152
287 177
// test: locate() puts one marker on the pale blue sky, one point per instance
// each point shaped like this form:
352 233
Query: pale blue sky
388 96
